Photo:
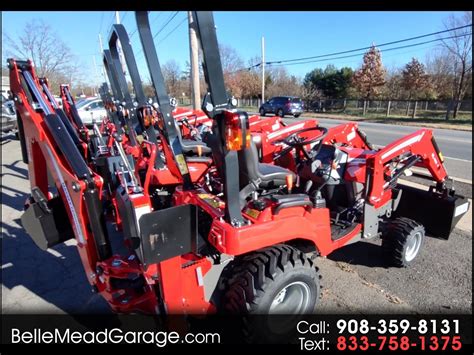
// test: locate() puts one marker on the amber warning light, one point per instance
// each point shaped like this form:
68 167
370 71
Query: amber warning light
237 133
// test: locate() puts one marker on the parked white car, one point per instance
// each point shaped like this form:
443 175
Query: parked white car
9 122
91 110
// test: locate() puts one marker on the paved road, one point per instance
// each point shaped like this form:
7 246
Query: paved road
456 146
355 278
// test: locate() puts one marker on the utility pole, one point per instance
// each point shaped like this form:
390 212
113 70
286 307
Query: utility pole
194 60
96 71
101 47
263 69
119 45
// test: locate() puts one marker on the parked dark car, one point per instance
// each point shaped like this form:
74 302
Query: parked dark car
282 105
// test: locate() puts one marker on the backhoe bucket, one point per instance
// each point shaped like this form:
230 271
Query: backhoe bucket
47 228
438 213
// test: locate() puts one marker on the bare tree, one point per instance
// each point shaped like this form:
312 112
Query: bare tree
148 89
230 59
310 94
438 68
51 56
232 64
172 75
279 83
250 84
250 79
392 90
458 48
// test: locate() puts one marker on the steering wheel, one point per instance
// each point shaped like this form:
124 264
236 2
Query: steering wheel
293 141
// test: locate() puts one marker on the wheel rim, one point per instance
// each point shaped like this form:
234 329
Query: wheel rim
292 299
413 246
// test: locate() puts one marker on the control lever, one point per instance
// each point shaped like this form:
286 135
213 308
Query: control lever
133 179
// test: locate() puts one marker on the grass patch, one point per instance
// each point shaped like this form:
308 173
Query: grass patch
408 120
428 115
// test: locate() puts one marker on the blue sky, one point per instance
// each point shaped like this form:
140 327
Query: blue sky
287 34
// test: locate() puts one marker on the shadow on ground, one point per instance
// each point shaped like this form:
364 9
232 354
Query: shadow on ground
18 172
56 276
361 253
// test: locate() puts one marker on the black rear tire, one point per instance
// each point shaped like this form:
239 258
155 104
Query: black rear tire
275 280
402 241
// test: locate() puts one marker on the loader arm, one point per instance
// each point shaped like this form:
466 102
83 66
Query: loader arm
418 148
348 134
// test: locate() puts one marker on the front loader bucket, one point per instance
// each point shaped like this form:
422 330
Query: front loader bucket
439 214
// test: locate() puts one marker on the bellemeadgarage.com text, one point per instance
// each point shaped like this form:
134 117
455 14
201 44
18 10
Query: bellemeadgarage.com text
111 336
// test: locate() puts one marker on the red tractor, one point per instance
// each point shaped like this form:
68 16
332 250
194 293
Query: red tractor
246 238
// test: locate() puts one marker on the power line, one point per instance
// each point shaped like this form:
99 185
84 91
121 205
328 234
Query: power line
111 22
133 33
246 68
101 21
157 16
279 63
113 19
358 54
166 24
365 48
124 16
141 53
174 29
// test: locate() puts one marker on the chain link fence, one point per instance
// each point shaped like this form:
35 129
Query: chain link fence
408 108
372 108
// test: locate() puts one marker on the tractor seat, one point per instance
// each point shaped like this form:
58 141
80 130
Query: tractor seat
191 146
273 174
266 175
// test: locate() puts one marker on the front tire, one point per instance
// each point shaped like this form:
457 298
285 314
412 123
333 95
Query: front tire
297 115
274 280
280 113
262 112
402 241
